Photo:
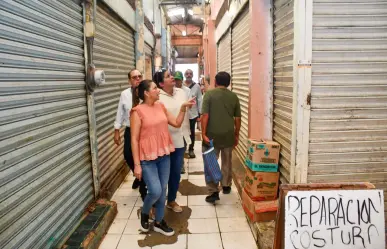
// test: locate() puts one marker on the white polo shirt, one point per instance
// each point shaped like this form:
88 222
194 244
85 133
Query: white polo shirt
173 104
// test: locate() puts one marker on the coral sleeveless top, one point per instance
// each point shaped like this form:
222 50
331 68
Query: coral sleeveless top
155 140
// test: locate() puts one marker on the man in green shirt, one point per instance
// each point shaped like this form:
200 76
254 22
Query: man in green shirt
221 121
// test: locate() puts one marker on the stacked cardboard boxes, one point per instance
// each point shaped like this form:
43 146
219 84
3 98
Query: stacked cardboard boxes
261 180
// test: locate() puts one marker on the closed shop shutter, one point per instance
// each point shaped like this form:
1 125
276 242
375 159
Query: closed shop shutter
45 161
348 124
113 52
148 61
283 85
224 53
240 46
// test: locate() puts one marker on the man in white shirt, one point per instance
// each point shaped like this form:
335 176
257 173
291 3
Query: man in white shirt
194 112
122 119
186 128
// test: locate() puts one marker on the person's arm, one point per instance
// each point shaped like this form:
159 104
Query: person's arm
205 117
118 121
177 121
237 121
199 101
135 127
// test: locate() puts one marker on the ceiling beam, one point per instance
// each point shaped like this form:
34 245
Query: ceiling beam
193 40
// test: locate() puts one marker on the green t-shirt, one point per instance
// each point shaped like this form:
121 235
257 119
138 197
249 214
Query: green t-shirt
222 106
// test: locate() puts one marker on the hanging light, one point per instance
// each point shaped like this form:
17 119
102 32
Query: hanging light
184 33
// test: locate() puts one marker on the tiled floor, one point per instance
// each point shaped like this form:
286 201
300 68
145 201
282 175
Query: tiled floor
222 226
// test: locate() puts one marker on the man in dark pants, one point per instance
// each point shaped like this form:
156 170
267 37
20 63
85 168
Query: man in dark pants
122 119
194 112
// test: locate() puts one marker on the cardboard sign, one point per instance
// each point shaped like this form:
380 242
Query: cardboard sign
340 219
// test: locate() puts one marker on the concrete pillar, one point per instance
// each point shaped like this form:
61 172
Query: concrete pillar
164 47
261 70
139 37
211 52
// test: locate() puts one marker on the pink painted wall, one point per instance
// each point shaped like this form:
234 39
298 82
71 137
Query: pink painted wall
261 88
209 50
215 7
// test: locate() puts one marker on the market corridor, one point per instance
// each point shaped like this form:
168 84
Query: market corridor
216 227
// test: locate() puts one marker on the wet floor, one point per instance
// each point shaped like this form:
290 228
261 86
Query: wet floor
201 225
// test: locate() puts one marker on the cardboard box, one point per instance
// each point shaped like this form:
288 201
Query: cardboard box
259 211
262 155
261 186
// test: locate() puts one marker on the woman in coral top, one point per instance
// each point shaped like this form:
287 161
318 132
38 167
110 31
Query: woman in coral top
151 147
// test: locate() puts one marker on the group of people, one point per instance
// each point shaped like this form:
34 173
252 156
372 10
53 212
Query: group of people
160 118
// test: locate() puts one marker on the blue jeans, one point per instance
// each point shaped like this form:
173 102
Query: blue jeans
177 160
156 176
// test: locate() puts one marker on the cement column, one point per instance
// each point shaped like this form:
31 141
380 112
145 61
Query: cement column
211 52
261 70
164 47
139 37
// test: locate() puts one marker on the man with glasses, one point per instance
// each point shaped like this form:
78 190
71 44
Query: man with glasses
123 119
194 112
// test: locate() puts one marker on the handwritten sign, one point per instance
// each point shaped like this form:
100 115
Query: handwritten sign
339 219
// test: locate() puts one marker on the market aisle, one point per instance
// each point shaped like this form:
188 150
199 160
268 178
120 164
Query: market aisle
221 226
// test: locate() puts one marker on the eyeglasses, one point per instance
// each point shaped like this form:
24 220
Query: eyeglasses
137 77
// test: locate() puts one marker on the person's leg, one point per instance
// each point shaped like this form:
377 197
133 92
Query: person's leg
192 123
129 156
163 167
176 159
163 170
213 188
226 155
151 177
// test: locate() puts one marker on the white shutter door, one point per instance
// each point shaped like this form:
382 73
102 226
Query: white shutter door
240 74
283 84
45 161
348 126
113 52
224 53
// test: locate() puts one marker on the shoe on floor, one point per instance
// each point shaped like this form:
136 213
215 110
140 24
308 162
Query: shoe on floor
144 222
186 155
135 184
163 228
174 206
183 170
191 154
226 190
213 197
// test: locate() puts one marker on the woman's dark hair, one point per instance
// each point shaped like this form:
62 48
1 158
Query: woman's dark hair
139 91
158 77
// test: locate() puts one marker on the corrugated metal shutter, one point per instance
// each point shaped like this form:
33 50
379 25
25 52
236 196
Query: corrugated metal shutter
45 162
148 61
114 52
348 126
224 53
283 84
240 73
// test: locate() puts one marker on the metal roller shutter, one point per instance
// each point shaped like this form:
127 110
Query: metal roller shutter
148 61
240 74
283 85
45 162
348 124
224 53
114 52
